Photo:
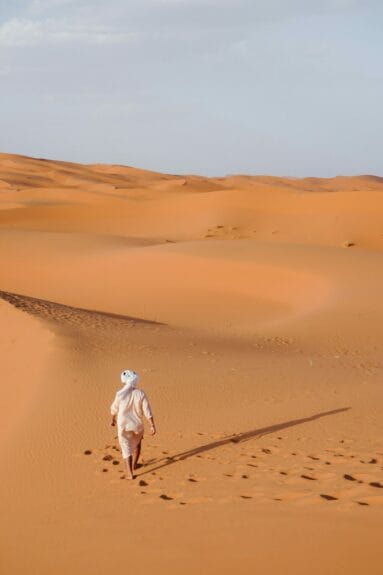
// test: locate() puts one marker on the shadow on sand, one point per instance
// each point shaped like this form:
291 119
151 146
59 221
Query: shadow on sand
67 314
238 438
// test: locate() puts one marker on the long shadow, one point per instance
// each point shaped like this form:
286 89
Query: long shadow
62 313
238 438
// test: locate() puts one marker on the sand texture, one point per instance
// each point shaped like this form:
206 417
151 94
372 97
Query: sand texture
252 308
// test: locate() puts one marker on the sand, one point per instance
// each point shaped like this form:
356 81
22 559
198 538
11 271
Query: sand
252 308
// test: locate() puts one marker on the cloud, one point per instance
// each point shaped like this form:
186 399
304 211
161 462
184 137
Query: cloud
35 22
189 13
43 5
24 32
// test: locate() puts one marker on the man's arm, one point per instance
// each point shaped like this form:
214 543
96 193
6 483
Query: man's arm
114 410
148 414
152 426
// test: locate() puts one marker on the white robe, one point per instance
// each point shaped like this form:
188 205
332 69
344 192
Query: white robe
130 405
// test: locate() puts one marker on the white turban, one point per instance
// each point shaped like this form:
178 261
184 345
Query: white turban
129 378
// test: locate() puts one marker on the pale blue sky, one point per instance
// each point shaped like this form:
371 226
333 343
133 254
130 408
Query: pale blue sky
284 87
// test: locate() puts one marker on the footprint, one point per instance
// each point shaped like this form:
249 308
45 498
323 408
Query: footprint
349 477
314 458
166 497
246 496
373 460
142 483
266 451
361 503
328 497
115 462
376 484
104 470
308 477
244 477
283 472
107 458
192 480
87 452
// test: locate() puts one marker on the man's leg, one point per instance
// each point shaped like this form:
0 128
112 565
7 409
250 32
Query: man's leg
129 467
136 455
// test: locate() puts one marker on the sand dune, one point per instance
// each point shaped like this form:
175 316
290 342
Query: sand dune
59 196
251 306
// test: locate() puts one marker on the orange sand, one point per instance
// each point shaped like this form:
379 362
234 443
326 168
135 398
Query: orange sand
252 308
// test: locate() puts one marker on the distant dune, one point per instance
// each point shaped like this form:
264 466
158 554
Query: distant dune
124 201
252 308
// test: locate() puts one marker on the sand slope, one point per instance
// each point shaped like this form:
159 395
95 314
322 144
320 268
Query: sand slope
257 329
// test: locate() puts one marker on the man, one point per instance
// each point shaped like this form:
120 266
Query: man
128 409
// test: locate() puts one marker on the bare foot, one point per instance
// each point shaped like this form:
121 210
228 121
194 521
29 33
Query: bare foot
130 477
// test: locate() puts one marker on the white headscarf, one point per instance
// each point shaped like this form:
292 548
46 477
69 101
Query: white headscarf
130 379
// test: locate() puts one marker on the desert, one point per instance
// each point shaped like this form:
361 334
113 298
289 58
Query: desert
252 308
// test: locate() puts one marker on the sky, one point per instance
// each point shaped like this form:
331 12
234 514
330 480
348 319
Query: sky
214 87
